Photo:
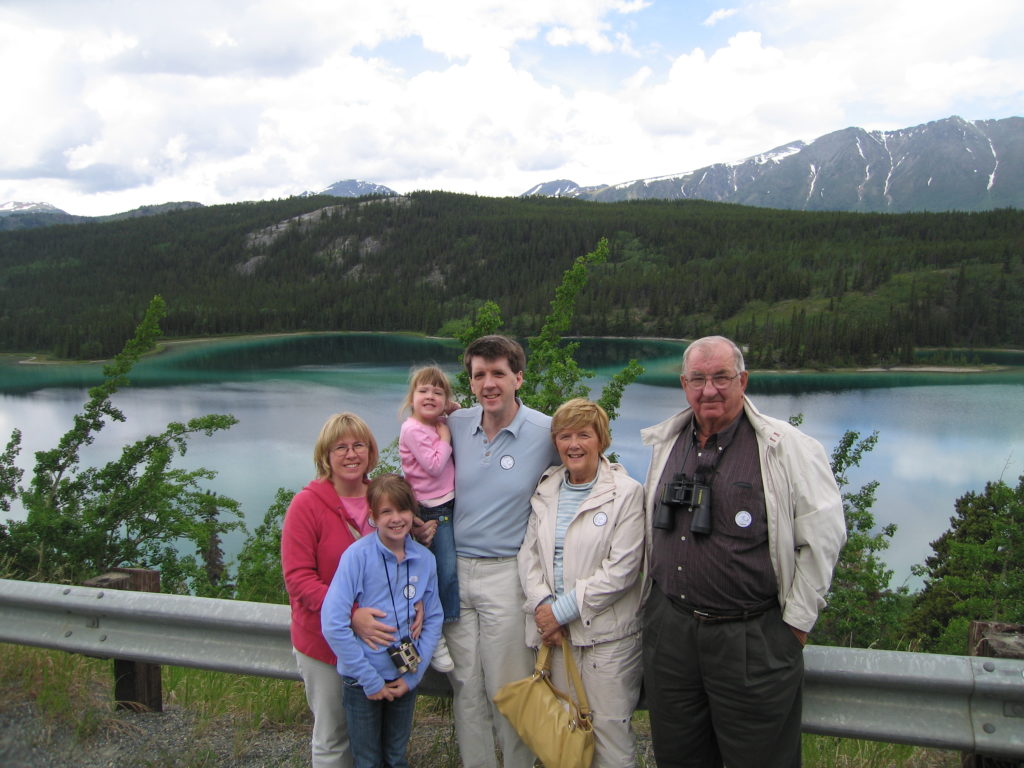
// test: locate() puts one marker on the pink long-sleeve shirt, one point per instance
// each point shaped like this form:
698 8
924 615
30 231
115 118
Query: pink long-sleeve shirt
426 460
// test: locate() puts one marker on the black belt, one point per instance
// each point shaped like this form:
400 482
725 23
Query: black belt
717 617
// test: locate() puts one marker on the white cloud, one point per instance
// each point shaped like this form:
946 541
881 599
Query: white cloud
120 102
720 15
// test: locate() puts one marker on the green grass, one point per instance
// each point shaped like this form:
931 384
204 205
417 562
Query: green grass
254 701
77 692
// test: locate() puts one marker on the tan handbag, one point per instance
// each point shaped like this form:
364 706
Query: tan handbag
558 730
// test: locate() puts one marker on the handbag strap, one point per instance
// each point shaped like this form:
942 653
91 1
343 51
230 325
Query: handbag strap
542 668
574 675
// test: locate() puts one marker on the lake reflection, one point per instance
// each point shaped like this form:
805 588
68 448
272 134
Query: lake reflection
940 434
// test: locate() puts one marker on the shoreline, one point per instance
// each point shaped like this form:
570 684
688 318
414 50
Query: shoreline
30 358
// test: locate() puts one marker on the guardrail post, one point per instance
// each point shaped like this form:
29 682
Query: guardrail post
137 684
997 640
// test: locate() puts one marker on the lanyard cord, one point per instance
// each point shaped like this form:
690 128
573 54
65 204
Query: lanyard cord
391 592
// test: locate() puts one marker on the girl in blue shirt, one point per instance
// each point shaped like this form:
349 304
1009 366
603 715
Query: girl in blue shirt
386 569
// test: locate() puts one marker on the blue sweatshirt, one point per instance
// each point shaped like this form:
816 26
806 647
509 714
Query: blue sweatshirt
361 579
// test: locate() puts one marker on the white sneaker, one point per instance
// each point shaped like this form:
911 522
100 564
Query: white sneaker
442 660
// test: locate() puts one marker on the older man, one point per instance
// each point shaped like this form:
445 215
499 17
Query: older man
747 524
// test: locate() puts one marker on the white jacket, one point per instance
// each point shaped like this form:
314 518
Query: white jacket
602 555
806 526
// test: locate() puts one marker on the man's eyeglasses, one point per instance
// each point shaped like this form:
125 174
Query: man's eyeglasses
698 382
343 448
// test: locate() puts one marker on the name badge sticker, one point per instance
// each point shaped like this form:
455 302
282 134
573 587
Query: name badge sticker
744 519
507 462
600 519
409 591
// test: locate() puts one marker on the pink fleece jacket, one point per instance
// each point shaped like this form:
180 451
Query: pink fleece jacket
315 534
426 460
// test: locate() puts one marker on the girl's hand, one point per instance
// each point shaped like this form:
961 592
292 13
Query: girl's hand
384 694
444 432
398 688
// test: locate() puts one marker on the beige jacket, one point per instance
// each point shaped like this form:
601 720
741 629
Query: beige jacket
602 555
806 526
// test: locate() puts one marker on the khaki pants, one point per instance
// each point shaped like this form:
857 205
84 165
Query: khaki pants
611 674
489 650
323 694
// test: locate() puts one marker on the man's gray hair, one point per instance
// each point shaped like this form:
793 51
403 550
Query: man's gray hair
712 341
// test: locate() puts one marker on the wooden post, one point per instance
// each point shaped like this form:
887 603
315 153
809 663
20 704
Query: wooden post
997 640
136 684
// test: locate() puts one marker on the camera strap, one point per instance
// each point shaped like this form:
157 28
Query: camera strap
391 591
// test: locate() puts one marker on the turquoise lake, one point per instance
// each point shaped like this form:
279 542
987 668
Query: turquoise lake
941 434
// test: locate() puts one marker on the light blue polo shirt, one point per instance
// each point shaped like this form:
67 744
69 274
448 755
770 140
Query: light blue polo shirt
494 479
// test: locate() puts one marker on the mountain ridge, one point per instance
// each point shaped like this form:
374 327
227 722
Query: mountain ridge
950 164
944 165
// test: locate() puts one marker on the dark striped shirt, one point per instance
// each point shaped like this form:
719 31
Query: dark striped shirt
729 569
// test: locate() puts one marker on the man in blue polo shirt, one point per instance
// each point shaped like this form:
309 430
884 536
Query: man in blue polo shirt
501 448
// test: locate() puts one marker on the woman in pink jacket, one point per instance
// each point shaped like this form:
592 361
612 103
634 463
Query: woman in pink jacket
323 519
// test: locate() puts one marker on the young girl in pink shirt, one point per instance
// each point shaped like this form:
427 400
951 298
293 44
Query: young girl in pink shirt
425 449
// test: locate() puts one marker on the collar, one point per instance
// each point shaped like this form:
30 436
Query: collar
410 550
512 427
566 483
723 437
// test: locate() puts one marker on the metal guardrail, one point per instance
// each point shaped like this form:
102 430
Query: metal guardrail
970 704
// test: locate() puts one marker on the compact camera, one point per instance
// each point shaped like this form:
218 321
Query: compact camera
404 656
682 493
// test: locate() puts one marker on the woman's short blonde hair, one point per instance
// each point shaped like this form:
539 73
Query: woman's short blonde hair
334 429
578 413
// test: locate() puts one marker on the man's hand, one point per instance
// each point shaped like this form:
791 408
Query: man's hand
375 634
799 634
417 621
424 532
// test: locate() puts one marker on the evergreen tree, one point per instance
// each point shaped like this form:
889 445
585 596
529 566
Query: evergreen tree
977 570
136 510
863 611
552 373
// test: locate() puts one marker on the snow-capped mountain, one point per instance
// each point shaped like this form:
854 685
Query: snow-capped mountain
355 188
562 188
950 164
21 215
15 215
13 208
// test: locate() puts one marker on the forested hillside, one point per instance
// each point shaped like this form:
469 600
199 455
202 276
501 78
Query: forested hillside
802 288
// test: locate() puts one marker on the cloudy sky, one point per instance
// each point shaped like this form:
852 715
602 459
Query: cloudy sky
112 104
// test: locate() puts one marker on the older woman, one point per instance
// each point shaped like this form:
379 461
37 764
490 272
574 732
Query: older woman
580 567
323 519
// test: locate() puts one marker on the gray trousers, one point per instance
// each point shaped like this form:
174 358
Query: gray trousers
721 693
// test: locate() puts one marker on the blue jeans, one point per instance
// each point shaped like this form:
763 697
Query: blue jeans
378 730
443 547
